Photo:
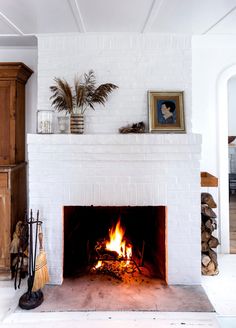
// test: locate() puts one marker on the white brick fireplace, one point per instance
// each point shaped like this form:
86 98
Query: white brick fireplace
120 170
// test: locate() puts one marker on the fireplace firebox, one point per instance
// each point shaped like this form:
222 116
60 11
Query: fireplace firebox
87 226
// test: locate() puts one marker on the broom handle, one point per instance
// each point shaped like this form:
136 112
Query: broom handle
40 236
31 246
30 284
35 246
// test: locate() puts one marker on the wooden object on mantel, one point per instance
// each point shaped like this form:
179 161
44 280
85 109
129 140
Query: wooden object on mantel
13 77
208 180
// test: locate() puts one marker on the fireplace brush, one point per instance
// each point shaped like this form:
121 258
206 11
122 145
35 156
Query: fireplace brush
32 299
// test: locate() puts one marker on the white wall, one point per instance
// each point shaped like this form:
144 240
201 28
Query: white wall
214 62
232 106
232 122
135 62
211 55
29 56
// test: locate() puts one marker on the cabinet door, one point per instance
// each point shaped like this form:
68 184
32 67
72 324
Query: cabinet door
7 121
4 223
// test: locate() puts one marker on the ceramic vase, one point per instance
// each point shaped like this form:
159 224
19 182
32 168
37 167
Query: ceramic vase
77 123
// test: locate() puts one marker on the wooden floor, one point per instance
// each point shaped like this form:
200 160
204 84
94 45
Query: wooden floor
232 217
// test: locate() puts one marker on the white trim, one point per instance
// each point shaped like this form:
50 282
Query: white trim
75 9
220 20
10 23
153 12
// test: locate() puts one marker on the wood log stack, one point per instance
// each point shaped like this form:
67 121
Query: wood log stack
208 225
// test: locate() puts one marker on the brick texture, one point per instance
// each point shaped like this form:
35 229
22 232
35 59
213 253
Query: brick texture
120 170
136 63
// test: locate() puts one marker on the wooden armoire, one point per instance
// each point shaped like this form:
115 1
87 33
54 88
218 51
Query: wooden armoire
13 200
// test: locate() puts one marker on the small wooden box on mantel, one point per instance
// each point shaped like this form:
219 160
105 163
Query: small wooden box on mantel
208 180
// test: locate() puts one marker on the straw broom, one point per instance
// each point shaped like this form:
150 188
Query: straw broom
41 276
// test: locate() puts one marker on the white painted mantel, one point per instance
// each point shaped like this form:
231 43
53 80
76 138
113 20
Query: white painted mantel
119 170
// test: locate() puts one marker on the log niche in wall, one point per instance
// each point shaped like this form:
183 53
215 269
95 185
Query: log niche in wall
13 77
209 242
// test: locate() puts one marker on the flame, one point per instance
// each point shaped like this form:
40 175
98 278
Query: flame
117 243
98 265
128 253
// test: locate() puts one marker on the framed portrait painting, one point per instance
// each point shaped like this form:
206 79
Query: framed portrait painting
166 112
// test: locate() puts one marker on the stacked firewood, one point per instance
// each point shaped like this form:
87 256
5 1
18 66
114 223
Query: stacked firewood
208 225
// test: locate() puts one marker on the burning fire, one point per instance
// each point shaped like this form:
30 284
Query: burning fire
117 243
116 248
98 265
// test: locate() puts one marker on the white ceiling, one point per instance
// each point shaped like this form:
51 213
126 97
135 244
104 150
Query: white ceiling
21 18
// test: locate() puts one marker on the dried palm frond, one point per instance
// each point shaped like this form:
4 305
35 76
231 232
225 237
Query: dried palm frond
84 95
80 93
100 95
84 89
87 94
62 96
90 80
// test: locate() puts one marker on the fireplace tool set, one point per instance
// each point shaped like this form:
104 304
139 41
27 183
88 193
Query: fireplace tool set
37 265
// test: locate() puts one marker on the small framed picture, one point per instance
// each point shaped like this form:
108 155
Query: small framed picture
166 112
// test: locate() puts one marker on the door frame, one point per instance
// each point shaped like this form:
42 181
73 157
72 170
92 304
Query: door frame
222 141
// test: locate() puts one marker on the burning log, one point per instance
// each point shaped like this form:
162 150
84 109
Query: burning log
117 269
114 256
104 253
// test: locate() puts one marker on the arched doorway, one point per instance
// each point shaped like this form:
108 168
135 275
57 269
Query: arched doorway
222 101
232 162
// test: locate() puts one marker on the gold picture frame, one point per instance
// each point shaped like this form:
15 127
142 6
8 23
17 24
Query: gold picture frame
166 112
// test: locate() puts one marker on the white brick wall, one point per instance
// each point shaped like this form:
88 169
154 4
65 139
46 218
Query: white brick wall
119 170
136 63
112 169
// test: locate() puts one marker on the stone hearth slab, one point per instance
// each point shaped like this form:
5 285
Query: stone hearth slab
103 293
